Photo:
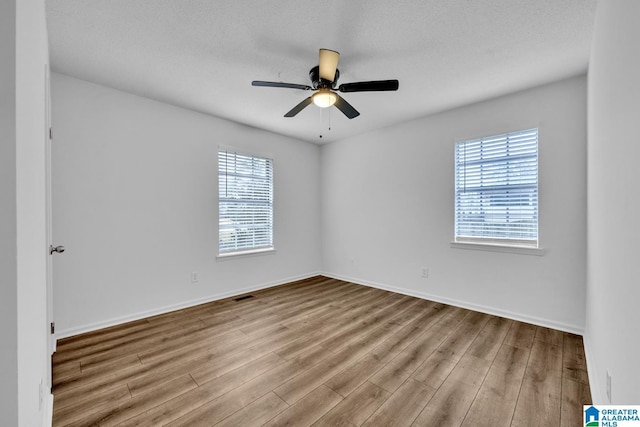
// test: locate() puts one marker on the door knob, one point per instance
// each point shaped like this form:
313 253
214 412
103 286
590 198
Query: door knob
58 249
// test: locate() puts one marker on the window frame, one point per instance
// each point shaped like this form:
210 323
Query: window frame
498 243
251 251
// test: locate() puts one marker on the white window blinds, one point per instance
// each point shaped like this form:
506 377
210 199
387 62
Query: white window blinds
496 187
245 185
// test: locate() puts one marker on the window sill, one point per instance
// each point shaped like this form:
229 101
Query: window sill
242 254
522 250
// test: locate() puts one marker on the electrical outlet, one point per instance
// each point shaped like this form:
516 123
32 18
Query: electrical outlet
425 272
609 386
195 277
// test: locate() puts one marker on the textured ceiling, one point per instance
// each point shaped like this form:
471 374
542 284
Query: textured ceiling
203 54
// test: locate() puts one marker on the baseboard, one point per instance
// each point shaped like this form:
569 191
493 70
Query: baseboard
48 411
166 309
597 397
464 304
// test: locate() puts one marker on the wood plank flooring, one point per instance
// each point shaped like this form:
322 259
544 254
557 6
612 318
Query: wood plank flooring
321 352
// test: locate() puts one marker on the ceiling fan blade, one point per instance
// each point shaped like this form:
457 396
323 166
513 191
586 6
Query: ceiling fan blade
345 107
295 110
374 86
280 84
328 62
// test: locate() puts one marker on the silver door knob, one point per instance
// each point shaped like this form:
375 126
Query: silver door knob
57 249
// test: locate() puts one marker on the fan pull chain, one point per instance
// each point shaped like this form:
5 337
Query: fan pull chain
325 121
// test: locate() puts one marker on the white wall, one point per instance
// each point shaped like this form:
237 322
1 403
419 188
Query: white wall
8 231
34 363
613 293
24 364
135 204
387 206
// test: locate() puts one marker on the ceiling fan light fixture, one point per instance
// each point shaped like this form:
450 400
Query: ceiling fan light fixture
324 98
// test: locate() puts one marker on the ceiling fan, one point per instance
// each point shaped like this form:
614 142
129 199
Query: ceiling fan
324 78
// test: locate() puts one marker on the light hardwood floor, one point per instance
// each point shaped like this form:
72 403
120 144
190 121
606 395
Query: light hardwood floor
321 352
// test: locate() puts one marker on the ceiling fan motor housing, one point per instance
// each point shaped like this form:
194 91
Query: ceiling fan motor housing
319 83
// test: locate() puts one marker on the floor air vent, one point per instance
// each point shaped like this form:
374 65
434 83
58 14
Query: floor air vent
243 298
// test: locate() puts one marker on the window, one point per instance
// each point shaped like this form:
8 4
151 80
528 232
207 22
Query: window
245 210
496 185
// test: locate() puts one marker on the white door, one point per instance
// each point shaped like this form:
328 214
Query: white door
52 249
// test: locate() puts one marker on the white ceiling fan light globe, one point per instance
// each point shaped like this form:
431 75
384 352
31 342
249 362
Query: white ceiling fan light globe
324 99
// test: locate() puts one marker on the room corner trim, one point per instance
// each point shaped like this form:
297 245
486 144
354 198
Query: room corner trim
597 395
48 410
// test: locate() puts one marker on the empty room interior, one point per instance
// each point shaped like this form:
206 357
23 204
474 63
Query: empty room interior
377 213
